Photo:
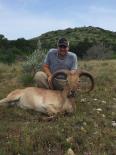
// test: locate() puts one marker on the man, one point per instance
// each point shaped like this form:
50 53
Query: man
55 60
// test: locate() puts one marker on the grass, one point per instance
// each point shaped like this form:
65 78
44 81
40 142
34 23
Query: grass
90 128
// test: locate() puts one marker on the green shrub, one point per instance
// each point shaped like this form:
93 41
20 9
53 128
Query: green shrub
32 65
7 56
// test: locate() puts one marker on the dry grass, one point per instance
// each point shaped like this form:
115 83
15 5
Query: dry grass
90 128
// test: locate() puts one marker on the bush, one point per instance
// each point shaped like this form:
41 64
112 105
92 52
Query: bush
7 56
32 65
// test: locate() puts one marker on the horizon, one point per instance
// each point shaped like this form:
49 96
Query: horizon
56 30
31 18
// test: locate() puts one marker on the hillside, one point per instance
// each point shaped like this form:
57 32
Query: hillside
83 40
87 42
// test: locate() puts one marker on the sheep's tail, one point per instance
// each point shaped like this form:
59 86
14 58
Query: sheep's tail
4 102
12 98
7 102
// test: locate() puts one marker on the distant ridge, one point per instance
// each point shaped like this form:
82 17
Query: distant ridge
87 42
83 40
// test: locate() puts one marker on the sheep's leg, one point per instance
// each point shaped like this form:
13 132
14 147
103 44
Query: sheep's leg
55 116
49 118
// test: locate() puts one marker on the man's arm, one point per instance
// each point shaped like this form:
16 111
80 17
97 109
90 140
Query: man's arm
46 69
75 62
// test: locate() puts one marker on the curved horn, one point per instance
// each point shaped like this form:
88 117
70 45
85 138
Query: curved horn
90 76
59 72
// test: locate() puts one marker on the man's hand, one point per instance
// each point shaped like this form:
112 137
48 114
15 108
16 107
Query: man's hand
49 79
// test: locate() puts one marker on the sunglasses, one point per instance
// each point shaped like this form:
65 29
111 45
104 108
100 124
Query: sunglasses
63 46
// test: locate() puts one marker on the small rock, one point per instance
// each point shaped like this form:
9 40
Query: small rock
95 133
113 124
103 102
83 129
114 99
70 152
95 99
103 116
70 140
99 109
83 100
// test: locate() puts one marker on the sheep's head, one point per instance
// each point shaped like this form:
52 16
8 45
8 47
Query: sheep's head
69 80
72 82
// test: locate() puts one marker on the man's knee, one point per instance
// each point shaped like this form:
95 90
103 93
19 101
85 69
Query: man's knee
40 79
40 76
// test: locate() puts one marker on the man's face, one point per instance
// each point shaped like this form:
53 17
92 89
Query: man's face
62 50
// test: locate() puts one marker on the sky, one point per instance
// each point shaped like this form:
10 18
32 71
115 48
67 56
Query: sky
31 18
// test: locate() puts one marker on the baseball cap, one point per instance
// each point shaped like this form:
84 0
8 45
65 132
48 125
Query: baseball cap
63 42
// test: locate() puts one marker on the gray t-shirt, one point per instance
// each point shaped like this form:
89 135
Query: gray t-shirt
55 63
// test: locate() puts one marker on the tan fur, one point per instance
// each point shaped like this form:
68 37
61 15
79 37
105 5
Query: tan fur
43 100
